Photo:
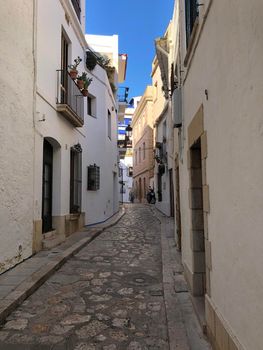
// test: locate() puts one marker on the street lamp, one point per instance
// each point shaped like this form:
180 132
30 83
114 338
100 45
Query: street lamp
128 134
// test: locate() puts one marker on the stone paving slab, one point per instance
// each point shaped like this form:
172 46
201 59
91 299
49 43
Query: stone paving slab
122 291
22 280
185 332
108 296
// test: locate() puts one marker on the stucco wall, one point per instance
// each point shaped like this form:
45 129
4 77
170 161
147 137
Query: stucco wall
144 163
16 132
102 150
49 123
228 63
161 133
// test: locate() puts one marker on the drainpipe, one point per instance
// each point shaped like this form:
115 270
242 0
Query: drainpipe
34 45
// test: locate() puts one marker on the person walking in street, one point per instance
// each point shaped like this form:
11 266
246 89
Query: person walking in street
151 196
131 196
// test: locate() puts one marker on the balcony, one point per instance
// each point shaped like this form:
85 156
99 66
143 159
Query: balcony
124 147
122 67
77 7
122 102
70 101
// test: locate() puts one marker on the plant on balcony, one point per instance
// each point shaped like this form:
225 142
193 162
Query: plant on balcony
81 79
87 83
103 61
91 60
73 68
113 87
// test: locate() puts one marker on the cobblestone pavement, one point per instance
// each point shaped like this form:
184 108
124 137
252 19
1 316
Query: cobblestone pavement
109 296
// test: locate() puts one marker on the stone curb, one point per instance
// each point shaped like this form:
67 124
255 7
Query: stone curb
36 279
176 330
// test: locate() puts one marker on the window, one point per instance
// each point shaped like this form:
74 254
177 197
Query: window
93 178
136 160
109 125
77 7
143 150
164 131
130 171
64 66
155 91
91 105
191 13
75 178
139 154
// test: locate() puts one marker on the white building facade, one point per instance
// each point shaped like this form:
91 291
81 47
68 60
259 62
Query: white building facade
60 140
126 152
101 129
220 162
165 81
61 169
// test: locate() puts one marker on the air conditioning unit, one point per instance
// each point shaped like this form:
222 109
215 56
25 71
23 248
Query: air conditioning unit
177 107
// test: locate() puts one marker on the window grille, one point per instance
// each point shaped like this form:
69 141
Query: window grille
93 177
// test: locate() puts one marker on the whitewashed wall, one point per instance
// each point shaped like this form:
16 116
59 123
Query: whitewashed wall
16 132
164 205
101 204
228 63
128 180
61 133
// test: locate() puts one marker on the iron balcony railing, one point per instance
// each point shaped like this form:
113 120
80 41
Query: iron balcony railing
123 93
69 94
124 143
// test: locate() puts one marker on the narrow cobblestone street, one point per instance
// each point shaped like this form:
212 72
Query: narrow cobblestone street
108 296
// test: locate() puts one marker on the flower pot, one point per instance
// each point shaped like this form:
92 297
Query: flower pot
73 73
80 84
85 92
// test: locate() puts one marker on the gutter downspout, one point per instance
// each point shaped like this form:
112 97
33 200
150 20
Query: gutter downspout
34 46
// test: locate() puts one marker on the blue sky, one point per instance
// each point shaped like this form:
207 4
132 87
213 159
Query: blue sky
138 23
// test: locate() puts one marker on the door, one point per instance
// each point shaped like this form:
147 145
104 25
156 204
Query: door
47 187
64 69
178 209
140 190
171 192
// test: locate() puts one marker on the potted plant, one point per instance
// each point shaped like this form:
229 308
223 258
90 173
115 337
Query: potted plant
81 79
113 87
103 61
87 83
91 60
73 72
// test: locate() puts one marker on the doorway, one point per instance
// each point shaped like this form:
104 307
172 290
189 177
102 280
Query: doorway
47 187
171 183
64 67
178 208
140 190
197 210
